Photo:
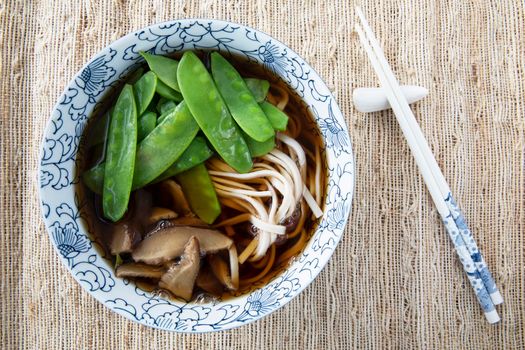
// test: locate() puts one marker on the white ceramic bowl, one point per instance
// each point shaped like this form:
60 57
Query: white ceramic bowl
63 210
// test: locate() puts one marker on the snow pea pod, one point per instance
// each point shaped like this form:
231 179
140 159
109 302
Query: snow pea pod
278 118
164 145
94 178
167 92
135 75
147 123
196 153
164 67
165 105
257 148
200 193
144 90
211 113
258 87
241 103
168 109
120 155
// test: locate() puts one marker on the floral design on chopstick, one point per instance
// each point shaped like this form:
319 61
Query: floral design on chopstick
471 270
466 237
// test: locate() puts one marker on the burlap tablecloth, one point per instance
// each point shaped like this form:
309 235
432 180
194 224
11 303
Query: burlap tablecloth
394 281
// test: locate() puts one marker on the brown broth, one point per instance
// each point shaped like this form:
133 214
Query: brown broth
100 228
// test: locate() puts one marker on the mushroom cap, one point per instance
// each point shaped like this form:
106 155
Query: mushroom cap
221 271
207 281
159 213
123 237
168 243
180 278
189 221
139 270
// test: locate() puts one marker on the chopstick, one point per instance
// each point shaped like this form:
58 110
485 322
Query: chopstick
465 246
440 179
444 188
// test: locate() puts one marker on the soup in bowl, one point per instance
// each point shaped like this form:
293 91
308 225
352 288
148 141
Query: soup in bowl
196 175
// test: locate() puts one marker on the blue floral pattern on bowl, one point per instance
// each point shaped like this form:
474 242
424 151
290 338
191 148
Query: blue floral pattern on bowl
63 212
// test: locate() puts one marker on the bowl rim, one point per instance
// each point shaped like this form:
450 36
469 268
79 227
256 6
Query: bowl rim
323 259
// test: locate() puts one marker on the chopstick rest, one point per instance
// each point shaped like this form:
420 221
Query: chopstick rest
367 100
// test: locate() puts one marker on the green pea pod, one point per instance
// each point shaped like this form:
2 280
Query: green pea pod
167 92
278 118
164 145
241 103
94 178
163 116
259 149
196 153
258 87
135 75
164 67
200 193
211 113
147 123
144 90
120 156
165 105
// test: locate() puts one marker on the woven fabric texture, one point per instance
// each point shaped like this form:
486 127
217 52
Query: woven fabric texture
394 281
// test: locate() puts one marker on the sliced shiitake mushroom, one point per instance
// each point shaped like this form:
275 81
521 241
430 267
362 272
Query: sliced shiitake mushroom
123 237
158 213
168 243
189 221
221 271
139 270
180 278
207 281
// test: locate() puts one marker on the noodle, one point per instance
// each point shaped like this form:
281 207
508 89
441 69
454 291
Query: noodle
317 176
300 224
311 185
261 263
281 104
261 274
248 251
293 250
234 266
233 204
235 220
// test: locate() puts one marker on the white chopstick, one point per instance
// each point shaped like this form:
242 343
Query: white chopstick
424 158
444 188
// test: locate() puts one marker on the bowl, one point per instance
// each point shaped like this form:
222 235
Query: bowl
62 206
